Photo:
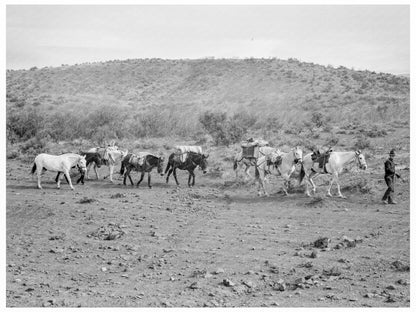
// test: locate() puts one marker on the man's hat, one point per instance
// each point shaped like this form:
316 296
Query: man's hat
392 152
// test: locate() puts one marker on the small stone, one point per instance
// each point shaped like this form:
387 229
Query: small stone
228 282
403 282
249 284
219 271
391 287
280 285
369 295
104 269
194 285
314 254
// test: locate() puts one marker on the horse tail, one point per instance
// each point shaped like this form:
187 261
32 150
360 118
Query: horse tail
235 164
34 168
302 173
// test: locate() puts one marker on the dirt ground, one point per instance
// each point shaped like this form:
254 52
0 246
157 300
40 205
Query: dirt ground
215 245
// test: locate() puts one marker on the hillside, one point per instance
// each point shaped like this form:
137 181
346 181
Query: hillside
288 90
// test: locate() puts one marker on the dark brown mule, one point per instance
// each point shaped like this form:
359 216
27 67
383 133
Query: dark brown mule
131 162
192 161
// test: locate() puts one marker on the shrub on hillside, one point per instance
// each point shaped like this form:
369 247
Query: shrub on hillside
225 130
22 125
375 132
362 142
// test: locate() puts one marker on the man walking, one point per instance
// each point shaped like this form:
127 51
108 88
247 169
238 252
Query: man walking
389 177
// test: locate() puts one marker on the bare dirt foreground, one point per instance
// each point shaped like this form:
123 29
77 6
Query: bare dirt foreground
216 245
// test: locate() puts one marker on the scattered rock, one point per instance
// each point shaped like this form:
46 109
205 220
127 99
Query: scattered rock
322 242
403 282
228 282
369 295
219 271
194 285
334 271
400 266
57 250
349 242
118 195
249 284
391 299
391 287
86 200
109 232
314 254
280 285
273 267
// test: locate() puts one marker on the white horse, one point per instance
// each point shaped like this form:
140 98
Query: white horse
111 155
285 164
335 166
62 163
240 161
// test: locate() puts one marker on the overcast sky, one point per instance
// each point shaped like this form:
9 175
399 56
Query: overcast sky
373 37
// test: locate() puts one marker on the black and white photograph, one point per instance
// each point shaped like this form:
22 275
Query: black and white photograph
207 155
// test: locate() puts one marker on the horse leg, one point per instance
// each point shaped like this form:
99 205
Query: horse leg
339 188
88 171
307 182
260 182
128 174
169 173
111 173
141 178
39 173
96 171
330 185
189 179
66 172
149 178
193 178
285 184
174 175
125 177
247 173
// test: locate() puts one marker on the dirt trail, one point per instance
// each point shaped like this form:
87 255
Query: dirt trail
218 246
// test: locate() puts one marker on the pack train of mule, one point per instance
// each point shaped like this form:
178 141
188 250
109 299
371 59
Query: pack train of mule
265 159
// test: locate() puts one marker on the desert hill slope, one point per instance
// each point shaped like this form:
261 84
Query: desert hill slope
289 90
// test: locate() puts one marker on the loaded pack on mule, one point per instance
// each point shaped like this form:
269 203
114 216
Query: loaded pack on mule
110 155
321 158
186 157
142 162
61 163
250 151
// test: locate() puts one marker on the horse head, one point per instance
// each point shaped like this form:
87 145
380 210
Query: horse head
297 154
362 164
82 163
203 163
